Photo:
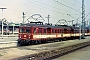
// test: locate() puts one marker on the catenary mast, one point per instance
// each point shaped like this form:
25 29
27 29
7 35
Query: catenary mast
83 19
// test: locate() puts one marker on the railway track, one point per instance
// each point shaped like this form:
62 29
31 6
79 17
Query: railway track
42 51
8 41
49 54
10 44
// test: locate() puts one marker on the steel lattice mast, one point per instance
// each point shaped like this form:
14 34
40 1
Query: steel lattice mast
83 19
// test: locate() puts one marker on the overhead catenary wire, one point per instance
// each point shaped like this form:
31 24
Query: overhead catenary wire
77 2
67 6
50 6
42 6
46 7
72 4
39 7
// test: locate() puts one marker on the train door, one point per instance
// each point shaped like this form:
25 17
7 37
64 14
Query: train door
35 30
72 32
87 31
44 30
65 31
39 31
62 32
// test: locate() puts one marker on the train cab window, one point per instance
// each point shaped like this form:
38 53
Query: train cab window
27 30
22 30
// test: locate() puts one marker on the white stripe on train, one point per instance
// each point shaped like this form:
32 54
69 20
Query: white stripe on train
58 35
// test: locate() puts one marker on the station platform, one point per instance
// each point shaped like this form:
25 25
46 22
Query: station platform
8 41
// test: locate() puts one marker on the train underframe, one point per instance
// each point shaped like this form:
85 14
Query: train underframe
40 41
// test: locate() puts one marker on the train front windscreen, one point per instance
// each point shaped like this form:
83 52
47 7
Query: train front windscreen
24 33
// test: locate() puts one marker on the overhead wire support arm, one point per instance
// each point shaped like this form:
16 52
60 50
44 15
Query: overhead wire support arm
48 18
36 17
23 16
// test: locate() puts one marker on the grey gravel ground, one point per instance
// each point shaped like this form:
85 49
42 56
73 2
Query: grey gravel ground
82 54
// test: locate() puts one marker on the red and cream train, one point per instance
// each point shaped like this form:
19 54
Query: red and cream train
39 33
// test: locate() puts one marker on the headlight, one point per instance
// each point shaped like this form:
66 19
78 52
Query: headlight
19 36
29 37
24 35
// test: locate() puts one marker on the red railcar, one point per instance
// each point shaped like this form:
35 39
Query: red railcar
39 33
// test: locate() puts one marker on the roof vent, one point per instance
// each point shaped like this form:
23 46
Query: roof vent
48 24
40 23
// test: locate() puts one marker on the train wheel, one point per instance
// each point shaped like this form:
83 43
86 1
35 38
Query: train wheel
39 42
29 42
36 42
19 43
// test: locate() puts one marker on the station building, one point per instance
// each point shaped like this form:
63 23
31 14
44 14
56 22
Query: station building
11 27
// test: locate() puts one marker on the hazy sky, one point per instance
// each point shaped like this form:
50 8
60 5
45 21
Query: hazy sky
57 9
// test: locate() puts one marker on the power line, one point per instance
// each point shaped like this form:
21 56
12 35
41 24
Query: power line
40 8
36 4
69 3
47 8
50 6
87 15
53 6
77 1
66 6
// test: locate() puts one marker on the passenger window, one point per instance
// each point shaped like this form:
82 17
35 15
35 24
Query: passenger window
59 31
44 30
53 31
34 30
40 30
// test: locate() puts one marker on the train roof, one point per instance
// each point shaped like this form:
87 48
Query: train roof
40 24
44 26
